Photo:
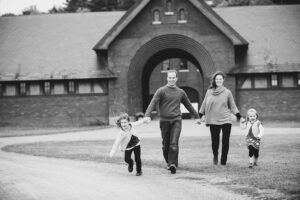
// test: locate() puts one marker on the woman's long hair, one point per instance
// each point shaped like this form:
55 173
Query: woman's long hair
213 79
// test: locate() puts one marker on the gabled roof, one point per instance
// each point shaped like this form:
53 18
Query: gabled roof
109 37
273 35
57 46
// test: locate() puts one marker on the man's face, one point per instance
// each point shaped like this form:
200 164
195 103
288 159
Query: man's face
172 78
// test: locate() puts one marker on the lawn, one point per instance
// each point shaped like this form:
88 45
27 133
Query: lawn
277 170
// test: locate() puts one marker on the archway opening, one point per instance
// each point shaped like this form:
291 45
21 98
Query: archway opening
189 72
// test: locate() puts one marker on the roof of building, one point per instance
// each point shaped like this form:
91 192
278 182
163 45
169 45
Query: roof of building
60 45
272 32
53 46
269 68
109 37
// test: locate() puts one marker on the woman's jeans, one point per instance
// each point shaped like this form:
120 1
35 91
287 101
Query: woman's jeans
170 133
137 156
215 140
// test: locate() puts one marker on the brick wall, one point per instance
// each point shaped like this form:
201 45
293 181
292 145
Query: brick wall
271 104
54 111
140 40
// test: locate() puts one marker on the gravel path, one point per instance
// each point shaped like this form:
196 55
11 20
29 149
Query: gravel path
38 178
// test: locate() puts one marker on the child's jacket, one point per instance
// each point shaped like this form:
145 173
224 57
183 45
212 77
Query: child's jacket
124 137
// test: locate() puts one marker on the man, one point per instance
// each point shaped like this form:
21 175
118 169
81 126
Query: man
168 98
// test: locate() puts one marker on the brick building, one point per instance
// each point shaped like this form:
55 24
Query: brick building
85 68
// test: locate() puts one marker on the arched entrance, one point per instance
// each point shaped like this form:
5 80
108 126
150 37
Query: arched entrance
158 58
154 52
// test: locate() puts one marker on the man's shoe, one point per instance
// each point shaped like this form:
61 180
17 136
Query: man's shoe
173 169
139 174
130 168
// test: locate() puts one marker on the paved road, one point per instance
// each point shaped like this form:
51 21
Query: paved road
38 178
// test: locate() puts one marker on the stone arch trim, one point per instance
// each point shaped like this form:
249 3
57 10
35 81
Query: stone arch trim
153 46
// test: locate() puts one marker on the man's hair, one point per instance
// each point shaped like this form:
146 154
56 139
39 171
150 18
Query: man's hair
122 116
172 71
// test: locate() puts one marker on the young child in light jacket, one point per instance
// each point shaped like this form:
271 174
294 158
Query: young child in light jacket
255 131
128 141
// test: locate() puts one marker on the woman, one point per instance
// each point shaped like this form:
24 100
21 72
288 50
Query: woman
217 107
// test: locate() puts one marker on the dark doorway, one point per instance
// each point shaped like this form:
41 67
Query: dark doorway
195 91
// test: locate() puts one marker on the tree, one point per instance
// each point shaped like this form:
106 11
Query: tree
31 10
98 5
75 5
55 10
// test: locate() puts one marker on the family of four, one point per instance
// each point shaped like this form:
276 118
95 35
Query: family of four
217 107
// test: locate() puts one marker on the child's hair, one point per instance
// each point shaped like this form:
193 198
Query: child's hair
122 116
213 80
251 110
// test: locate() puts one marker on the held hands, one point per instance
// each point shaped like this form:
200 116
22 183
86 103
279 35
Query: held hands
147 120
198 121
242 120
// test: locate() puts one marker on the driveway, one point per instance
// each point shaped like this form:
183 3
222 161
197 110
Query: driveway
39 178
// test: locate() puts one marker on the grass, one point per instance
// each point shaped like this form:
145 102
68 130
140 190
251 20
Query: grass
277 170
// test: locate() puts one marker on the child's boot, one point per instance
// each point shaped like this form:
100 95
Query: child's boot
251 160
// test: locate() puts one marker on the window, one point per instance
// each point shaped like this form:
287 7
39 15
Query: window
182 16
244 82
260 82
59 88
34 89
166 65
156 17
47 88
287 81
84 88
169 9
274 80
298 79
10 90
100 87
23 89
183 65
71 87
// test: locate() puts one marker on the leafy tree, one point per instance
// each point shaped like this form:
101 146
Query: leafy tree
98 5
75 5
31 10
55 10
8 15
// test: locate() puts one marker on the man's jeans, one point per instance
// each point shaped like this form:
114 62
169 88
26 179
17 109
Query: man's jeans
170 133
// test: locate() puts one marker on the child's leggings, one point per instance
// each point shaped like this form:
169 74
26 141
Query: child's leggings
137 157
253 152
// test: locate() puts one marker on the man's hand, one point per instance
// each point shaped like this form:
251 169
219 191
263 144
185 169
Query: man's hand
147 120
198 121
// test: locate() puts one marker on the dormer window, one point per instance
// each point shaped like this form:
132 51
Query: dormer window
169 8
182 16
156 17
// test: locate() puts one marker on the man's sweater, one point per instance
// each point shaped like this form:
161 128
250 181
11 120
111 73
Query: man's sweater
217 106
169 99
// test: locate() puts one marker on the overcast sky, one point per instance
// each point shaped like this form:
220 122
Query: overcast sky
16 6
